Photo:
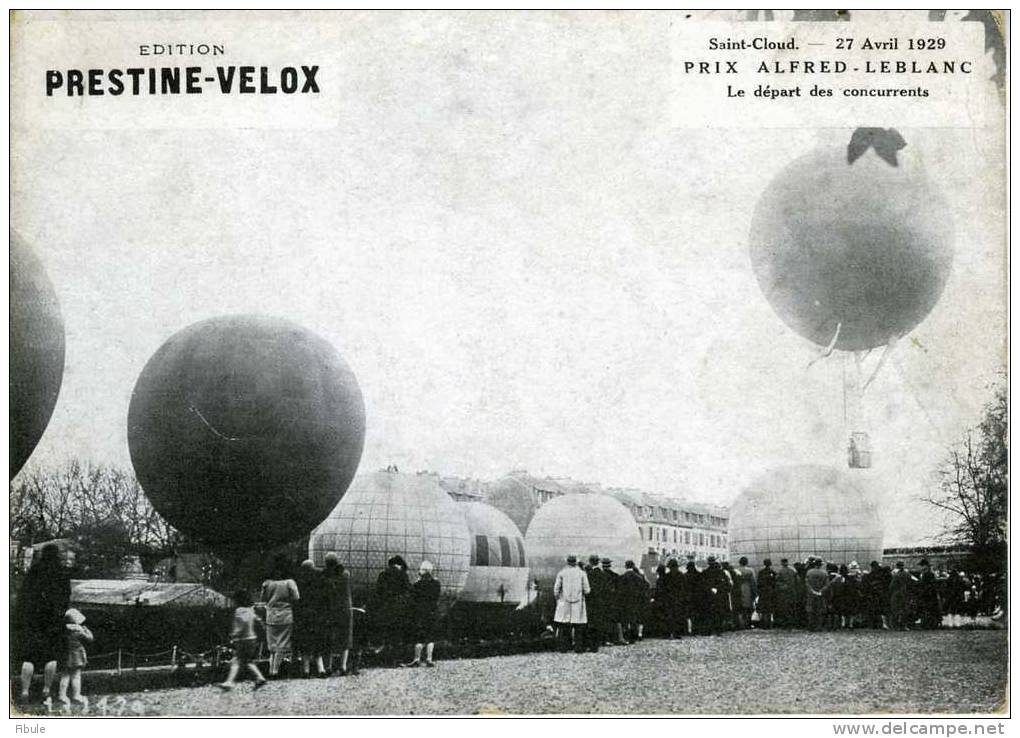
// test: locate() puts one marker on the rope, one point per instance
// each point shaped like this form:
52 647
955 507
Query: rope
209 425
827 351
881 362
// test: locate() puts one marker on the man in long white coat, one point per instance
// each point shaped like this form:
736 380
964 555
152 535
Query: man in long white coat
571 615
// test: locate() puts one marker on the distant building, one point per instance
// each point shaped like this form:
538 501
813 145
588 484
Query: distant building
940 557
463 489
675 527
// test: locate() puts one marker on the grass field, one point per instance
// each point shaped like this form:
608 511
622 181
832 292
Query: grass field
736 673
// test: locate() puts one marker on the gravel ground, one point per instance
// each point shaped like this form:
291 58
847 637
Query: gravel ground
746 672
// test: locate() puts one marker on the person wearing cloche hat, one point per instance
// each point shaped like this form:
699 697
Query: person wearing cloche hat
766 606
570 590
715 587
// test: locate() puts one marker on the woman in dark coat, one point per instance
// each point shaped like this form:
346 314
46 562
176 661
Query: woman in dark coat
928 598
672 585
390 606
697 603
424 614
635 595
766 594
660 611
338 621
716 586
310 633
849 604
39 619
800 594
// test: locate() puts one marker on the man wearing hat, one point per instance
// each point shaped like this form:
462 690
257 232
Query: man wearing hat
598 626
928 597
716 586
816 583
875 590
634 601
899 596
786 594
766 594
570 590
614 628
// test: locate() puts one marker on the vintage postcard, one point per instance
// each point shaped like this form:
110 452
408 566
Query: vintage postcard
396 363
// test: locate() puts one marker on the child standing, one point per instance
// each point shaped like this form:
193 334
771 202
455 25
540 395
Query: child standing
244 639
77 636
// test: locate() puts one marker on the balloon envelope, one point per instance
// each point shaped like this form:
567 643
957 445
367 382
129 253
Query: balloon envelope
245 431
797 511
36 352
580 524
499 565
866 247
393 514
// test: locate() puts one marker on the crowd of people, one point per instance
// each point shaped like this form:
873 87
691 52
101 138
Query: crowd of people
309 618
306 617
595 606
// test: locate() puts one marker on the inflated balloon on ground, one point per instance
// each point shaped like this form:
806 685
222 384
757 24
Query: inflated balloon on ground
580 524
36 352
245 431
798 511
499 564
388 514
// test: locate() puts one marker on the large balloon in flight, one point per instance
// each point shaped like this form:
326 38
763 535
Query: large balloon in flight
245 431
852 246
36 352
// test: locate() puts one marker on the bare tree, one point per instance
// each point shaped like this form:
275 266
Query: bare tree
101 506
973 484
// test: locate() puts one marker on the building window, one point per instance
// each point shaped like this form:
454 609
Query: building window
520 552
504 551
701 539
481 551
687 536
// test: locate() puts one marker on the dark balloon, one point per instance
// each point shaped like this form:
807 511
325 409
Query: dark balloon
865 247
36 352
245 431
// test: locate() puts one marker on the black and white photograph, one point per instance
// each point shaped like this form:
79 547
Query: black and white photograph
509 363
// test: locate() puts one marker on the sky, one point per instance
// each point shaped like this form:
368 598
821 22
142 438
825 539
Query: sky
524 262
